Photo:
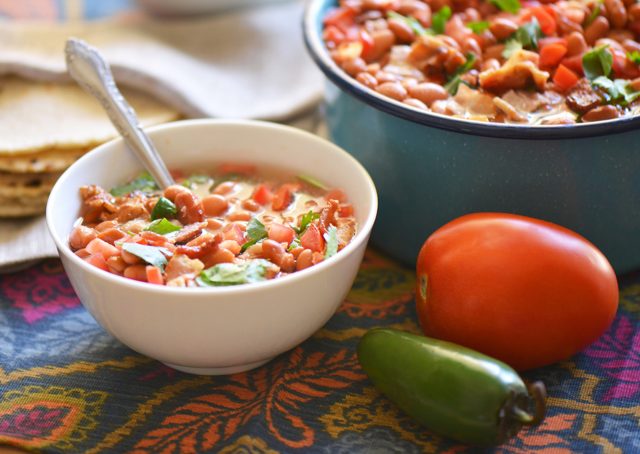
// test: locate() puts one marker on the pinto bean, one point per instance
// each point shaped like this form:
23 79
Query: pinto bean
393 90
239 216
367 80
112 235
220 255
305 259
413 102
232 246
105 225
172 191
502 28
428 92
224 188
494 51
354 66
404 33
214 204
576 44
408 7
596 30
136 272
382 42
81 236
634 12
490 63
189 208
601 113
630 45
129 258
116 264
250 205
616 12
273 251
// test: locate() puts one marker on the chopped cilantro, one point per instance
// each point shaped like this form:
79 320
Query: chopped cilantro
454 82
164 208
162 227
510 6
412 22
526 37
597 62
294 244
224 274
439 19
153 255
307 219
634 56
616 91
256 232
478 27
313 182
511 47
143 183
195 180
331 237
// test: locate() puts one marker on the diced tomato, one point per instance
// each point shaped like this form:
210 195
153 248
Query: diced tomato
312 239
341 18
240 169
262 194
283 196
98 261
333 34
564 78
345 210
546 20
154 275
235 233
574 64
280 233
98 246
623 68
551 55
367 43
336 194
542 42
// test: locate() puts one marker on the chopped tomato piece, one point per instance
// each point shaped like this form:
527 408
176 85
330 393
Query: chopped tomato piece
312 239
283 196
235 233
564 78
546 20
367 43
623 68
280 233
574 64
262 194
98 261
98 246
333 34
345 210
336 194
154 275
552 54
240 169
341 18
542 42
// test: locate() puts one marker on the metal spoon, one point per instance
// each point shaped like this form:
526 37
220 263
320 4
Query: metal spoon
89 69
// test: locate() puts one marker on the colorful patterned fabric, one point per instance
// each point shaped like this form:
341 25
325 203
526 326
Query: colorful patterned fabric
67 386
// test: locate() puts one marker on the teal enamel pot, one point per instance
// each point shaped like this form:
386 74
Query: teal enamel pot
430 168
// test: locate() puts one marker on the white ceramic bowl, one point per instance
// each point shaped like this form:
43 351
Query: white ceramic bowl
228 329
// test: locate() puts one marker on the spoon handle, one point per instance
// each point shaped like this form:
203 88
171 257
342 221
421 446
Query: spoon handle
87 67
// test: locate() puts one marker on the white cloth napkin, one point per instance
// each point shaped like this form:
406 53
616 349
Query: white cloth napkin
249 63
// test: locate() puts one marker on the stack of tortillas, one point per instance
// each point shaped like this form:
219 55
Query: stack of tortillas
44 128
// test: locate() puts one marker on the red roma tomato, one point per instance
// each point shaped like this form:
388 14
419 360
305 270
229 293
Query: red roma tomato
521 290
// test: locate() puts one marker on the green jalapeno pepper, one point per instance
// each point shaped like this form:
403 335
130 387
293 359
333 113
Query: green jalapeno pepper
452 390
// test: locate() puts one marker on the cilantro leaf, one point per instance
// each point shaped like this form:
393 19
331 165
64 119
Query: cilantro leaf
256 232
224 274
331 237
412 22
162 227
164 208
511 47
634 56
196 180
144 182
307 219
478 27
454 82
294 244
313 182
597 62
594 13
153 255
616 91
439 19
510 6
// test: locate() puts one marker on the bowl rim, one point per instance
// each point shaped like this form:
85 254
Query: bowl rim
361 236
319 53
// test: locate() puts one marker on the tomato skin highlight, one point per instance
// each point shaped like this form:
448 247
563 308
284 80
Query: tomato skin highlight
525 291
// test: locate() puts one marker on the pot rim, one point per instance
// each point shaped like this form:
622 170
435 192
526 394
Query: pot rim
318 52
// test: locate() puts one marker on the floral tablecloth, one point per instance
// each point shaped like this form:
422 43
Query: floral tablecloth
67 386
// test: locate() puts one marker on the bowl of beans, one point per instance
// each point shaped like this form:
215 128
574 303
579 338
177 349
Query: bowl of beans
507 105
245 256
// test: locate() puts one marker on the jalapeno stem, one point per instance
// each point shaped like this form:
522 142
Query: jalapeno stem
539 395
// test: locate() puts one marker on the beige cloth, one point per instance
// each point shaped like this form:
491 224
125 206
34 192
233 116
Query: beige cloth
247 64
